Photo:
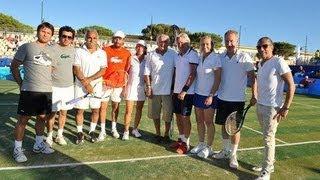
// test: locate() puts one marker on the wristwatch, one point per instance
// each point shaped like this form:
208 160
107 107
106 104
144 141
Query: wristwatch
210 95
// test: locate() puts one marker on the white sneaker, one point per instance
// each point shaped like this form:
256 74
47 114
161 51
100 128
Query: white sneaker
125 135
61 141
259 169
49 141
19 155
115 134
136 133
264 175
198 148
42 148
102 136
222 155
234 162
204 153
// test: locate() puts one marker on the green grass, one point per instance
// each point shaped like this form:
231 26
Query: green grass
292 162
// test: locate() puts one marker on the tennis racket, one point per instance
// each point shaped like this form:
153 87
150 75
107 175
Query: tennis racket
235 121
73 101
116 79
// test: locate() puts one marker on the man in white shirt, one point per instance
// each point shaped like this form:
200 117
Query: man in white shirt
273 73
236 68
158 75
185 73
90 64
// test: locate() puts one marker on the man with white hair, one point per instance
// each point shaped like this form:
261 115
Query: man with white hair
185 73
118 60
237 67
158 76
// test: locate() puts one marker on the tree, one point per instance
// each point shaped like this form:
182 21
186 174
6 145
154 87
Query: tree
152 31
8 23
102 31
195 38
284 49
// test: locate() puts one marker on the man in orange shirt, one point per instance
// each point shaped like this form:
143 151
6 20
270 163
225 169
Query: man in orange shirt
118 60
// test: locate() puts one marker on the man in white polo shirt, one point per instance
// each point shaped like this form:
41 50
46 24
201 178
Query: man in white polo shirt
236 68
158 77
90 64
185 73
273 73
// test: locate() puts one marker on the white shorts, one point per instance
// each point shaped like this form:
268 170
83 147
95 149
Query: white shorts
88 102
61 95
112 93
135 93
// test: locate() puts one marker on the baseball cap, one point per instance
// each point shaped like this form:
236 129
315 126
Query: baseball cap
119 34
142 42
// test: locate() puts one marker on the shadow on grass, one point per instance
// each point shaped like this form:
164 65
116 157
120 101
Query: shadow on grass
8 121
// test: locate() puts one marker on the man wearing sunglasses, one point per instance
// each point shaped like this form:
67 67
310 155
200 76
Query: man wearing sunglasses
62 79
273 73
237 67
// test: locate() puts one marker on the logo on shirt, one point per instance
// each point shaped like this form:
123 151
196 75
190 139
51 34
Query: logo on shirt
115 60
64 56
42 59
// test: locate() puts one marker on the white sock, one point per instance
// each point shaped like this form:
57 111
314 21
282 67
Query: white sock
181 136
79 128
226 144
50 134
113 125
92 127
234 148
60 131
187 141
39 139
103 128
17 144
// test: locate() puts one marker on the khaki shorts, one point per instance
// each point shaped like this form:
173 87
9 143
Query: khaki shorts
158 104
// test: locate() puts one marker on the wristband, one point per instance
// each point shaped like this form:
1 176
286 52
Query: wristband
185 88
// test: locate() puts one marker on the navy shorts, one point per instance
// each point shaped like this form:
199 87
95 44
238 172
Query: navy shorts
198 101
34 103
227 107
182 107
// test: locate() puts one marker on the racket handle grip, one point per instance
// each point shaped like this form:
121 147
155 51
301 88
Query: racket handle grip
73 101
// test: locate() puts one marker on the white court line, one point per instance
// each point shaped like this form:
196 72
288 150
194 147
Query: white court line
15 104
306 105
8 104
135 159
262 134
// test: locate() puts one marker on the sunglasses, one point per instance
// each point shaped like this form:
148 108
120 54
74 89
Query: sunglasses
264 46
65 36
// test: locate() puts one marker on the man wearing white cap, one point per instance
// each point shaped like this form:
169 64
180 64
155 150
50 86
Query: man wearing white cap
134 91
118 60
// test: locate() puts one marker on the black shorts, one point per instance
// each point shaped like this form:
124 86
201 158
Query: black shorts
182 107
34 103
227 107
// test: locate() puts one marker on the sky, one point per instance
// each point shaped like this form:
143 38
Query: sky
282 20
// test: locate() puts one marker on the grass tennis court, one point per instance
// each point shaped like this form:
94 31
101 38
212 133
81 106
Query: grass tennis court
297 152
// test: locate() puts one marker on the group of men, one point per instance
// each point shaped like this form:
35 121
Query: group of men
170 79
59 73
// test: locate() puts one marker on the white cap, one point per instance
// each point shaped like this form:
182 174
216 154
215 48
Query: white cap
142 43
119 34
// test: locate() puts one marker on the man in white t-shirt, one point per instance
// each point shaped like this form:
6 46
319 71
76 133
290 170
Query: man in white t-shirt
90 64
158 75
273 73
237 67
183 93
